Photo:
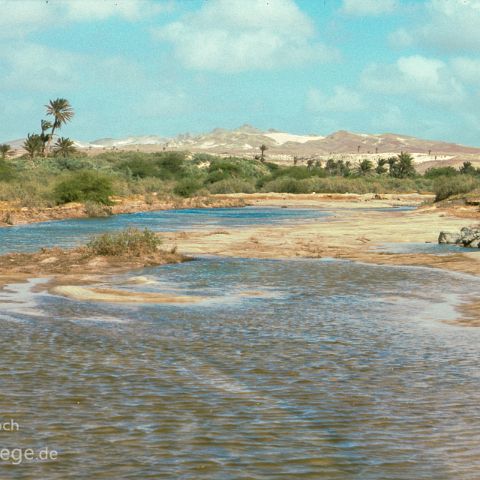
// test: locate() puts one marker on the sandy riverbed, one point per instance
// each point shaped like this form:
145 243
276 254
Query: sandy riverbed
352 232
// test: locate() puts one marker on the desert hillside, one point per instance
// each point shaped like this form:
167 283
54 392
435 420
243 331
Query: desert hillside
283 147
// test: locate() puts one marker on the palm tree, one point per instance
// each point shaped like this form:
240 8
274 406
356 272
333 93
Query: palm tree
380 168
466 169
64 147
404 167
263 147
33 144
62 112
5 151
391 164
365 166
45 125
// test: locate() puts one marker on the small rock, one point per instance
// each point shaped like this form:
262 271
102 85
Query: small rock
449 237
468 237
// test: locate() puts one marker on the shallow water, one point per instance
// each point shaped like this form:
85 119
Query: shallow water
72 232
432 248
288 369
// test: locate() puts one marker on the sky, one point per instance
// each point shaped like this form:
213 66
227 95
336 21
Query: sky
164 67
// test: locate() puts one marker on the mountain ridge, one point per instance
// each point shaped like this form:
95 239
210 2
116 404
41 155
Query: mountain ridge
248 138
284 146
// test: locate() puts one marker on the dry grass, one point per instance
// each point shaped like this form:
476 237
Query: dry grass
130 242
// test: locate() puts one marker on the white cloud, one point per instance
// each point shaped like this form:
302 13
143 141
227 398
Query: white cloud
232 36
101 9
33 67
447 25
20 17
342 100
467 69
368 7
425 79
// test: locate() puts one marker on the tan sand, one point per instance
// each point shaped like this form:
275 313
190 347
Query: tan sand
119 296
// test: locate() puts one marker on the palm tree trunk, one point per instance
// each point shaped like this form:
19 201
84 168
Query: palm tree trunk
47 150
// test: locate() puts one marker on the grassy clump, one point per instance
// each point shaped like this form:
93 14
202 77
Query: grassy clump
6 171
232 185
97 210
130 242
358 185
84 186
445 187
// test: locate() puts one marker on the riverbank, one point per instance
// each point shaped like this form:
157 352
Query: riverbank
12 214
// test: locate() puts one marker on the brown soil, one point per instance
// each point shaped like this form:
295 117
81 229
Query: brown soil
76 265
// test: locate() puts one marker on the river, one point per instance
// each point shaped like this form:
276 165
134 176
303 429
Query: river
295 369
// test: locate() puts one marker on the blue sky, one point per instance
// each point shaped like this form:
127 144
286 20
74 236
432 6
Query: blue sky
137 67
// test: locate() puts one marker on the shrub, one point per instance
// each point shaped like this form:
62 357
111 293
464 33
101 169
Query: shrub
298 173
172 162
97 210
231 186
187 187
129 242
436 172
84 186
140 168
286 185
445 187
6 171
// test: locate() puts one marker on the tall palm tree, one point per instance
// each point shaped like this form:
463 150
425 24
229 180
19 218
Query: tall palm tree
64 147
62 112
5 151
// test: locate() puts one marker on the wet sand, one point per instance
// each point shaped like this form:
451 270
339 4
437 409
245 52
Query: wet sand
111 295
351 233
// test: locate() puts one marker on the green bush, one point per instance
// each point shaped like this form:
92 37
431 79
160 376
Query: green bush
187 187
6 171
436 172
172 162
298 173
231 186
130 242
140 168
287 185
445 187
84 186
232 167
